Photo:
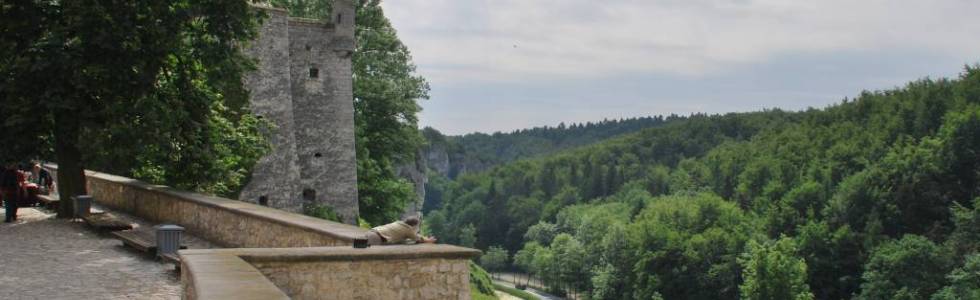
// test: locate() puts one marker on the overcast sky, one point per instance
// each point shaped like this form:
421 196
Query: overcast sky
508 64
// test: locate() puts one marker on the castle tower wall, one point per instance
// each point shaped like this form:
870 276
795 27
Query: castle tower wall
308 63
323 111
276 176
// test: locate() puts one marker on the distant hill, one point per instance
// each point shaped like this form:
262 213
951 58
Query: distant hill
451 156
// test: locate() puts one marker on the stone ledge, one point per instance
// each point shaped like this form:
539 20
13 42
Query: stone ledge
315 254
333 229
227 277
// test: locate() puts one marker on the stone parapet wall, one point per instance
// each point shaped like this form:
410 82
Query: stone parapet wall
225 222
380 272
225 277
282 255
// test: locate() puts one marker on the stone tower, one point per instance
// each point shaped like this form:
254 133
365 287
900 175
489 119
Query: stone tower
304 85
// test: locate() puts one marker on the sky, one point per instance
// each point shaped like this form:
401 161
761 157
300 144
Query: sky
503 65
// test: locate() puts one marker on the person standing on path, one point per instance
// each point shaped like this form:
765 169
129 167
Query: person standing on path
9 191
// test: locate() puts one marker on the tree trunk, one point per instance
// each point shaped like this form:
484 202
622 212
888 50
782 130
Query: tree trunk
71 174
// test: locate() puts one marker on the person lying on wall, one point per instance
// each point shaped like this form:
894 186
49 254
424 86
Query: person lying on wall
398 232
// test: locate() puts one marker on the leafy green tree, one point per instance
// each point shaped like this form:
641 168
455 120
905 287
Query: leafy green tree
386 91
524 258
685 247
834 259
74 70
467 236
544 267
603 282
495 260
961 132
965 239
910 268
773 271
435 224
964 281
542 233
903 193
568 261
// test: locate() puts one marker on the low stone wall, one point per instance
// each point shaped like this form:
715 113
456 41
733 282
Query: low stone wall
380 272
283 255
225 222
225 277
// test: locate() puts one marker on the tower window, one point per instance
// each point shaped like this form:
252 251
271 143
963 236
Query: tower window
309 195
317 154
314 73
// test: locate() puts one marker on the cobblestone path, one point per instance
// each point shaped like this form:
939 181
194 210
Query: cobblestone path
46 258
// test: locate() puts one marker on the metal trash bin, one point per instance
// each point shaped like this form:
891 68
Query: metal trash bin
168 238
83 205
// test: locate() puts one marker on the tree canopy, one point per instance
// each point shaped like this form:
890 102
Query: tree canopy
150 89
873 187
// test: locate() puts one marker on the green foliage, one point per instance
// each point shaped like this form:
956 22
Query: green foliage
910 268
665 211
386 91
323 212
568 257
480 282
964 281
773 271
477 296
480 151
686 248
149 89
467 236
543 233
965 239
495 259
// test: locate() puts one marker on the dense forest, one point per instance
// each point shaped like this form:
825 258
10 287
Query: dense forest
450 156
873 198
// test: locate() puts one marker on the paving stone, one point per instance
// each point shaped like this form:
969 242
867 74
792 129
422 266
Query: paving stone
48 258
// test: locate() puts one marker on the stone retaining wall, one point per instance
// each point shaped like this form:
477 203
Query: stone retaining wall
225 222
282 254
380 272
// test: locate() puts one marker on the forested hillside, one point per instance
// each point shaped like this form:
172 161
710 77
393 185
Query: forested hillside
873 198
450 156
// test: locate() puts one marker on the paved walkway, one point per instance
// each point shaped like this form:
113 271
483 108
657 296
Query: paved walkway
46 258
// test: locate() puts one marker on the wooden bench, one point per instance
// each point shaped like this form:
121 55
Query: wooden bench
106 222
142 239
49 201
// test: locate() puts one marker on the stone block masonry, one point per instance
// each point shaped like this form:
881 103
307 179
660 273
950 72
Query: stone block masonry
283 254
304 85
224 222
379 272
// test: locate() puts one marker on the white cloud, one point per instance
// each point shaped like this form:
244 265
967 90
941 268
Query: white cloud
519 40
